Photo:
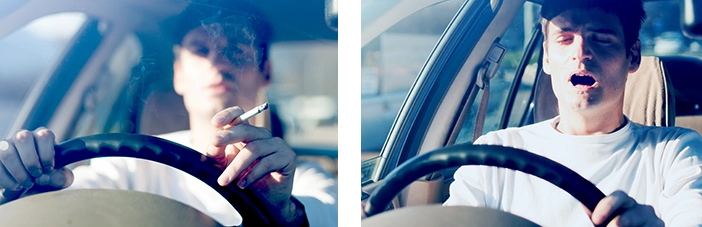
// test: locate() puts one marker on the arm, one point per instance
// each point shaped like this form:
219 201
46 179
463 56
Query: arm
317 190
681 199
107 173
470 185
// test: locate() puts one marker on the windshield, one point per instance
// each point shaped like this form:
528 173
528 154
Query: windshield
138 62
395 50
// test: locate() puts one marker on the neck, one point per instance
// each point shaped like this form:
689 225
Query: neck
573 123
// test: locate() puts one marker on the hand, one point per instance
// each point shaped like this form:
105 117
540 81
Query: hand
28 159
256 159
635 214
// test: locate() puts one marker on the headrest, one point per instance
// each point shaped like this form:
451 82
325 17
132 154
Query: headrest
648 96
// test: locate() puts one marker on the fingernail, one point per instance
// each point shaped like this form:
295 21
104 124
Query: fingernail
241 183
43 179
36 172
28 184
19 187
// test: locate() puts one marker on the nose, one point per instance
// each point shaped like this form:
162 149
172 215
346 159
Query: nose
582 51
219 60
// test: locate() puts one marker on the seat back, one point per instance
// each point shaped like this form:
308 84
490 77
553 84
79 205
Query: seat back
648 96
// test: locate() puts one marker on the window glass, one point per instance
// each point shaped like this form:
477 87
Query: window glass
29 53
100 101
515 39
661 35
390 63
304 92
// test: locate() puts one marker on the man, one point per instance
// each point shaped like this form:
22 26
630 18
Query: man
221 62
653 173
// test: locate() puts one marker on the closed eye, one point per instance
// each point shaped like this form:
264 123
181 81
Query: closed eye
601 39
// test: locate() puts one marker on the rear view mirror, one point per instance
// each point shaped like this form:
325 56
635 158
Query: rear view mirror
331 14
691 21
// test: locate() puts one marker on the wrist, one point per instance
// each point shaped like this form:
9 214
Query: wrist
293 214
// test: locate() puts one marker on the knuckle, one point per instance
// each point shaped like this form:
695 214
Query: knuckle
22 136
265 164
253 147
44 134
6 154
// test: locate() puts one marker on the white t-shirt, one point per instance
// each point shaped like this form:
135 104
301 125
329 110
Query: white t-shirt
657 166
313 187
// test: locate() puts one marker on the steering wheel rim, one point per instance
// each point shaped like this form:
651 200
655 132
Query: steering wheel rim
490 155
247 202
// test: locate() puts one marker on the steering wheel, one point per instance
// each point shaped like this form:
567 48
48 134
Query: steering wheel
247 202
467 154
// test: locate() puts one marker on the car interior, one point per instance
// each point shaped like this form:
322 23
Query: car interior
661 93
113 70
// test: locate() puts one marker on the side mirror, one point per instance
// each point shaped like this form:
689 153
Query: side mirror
331 14
691 21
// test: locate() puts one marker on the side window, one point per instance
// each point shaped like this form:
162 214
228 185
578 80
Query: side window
103 98
391 61
30 53
516 40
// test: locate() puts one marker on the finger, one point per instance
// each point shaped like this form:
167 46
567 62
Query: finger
227 117
240 162
278 162
240 133
638 216
7 181
13 164
24 142
607 206
61 178
45 140
223 155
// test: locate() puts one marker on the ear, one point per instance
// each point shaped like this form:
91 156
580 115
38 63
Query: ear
266 73
178 80
635 56
546 66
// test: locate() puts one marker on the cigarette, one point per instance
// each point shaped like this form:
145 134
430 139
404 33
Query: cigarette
249 114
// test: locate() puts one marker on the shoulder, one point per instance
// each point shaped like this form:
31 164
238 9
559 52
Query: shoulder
514 136
675 142
665 134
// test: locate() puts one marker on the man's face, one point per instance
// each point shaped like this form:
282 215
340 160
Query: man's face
587 60
212 74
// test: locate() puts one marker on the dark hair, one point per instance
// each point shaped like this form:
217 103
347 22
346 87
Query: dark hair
240 22
631 14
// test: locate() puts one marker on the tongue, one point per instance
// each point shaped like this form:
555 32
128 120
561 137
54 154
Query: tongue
582 80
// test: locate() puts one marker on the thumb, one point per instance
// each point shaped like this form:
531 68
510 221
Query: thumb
217 153
57 178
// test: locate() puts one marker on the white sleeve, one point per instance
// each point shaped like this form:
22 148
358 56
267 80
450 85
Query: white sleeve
680 202
470 187
318 192
105 173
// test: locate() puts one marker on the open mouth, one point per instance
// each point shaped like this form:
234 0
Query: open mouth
583 80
